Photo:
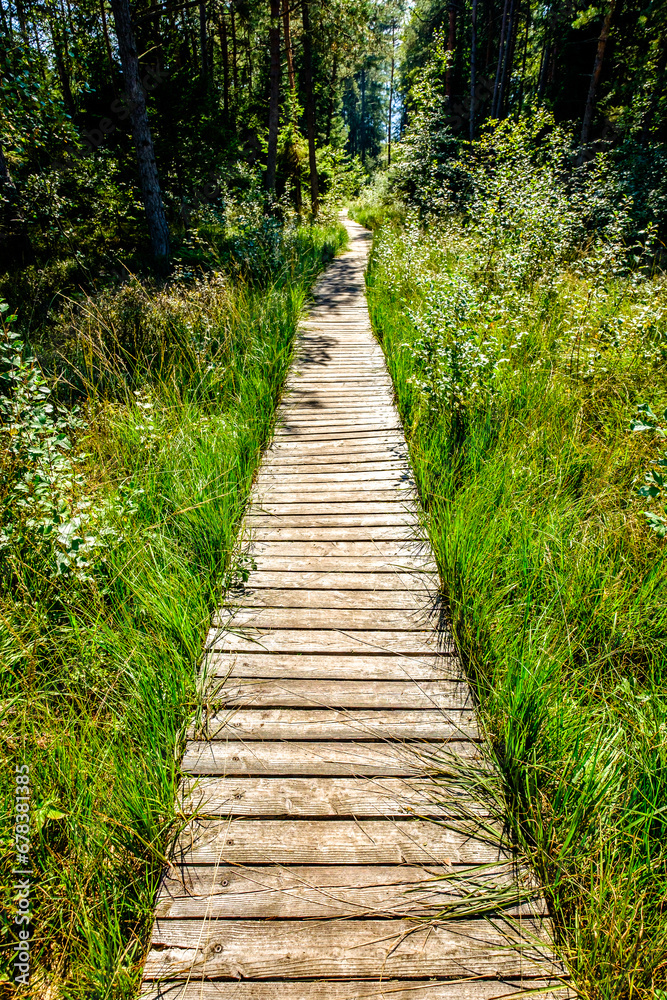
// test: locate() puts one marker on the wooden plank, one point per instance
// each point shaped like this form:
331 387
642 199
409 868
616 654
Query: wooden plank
306 892
420 621
285 477
293 949
331 724
334 841
386 989
287 692
338 521
222 757
277 531
328 597
372 668
329 641
348 482
358 460
299 499
397 551
396 586
350 797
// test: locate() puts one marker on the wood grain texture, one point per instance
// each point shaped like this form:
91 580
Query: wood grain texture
401 695
343 724
304 666
291 949
331 641
387 989
307 892
247 841
223 757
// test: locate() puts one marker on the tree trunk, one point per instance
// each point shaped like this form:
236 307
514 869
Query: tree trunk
225 67
63 75
274 96
473 67
508 59
523 62
143 140
235 71
6 23
107 45
288 45
203 46
391 92
332 95
310 106
499 68
595 78
451 50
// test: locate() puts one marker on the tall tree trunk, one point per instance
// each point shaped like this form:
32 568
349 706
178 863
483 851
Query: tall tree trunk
508 59
310 106
499 68
63 75
225 66
595 78
274 96
473 67
107 46
288 45
143 140
391 91
451 49
203 46
332 95
235 70
523 62
249 62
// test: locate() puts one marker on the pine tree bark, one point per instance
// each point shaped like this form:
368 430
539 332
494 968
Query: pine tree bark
595 78
310 106
274 96
141 133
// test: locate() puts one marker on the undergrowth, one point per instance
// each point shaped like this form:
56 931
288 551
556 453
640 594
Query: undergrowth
530 385
118 518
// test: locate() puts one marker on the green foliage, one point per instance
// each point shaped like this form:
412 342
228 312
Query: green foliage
516 384
655 482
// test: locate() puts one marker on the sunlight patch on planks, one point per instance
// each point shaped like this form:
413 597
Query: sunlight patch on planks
336 842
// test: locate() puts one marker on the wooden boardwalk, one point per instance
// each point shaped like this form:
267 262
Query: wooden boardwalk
326 853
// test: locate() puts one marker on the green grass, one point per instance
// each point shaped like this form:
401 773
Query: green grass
179 387
517 401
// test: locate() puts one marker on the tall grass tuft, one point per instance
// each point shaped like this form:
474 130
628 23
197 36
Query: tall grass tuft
117 540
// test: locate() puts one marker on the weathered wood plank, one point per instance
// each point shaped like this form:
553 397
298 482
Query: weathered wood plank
306 892
247 841
386 989
287 692
269 757
393 584
360 545
357 620
378 668
333 724
279 478
330 641
375 534
329 597
299 499
258 949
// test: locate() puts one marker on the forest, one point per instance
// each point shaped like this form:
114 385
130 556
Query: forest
172 176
